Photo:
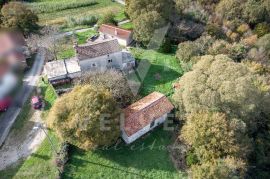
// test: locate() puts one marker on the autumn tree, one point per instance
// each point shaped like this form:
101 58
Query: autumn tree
226 168
87 117
112 80
16 15
217 82
212 135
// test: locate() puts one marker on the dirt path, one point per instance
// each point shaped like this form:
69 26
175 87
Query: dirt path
21 146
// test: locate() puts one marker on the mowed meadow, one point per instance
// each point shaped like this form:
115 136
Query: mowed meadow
58 12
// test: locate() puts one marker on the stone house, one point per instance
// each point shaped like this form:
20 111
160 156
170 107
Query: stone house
103 55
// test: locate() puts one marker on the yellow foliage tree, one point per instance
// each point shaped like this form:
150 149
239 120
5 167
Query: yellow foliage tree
87 117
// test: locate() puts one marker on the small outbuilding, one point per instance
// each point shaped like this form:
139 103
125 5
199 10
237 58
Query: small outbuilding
61 70
144 115
123 36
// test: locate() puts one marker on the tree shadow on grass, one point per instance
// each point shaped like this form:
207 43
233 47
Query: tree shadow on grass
147 154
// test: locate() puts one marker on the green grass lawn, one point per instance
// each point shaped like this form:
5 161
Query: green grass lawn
52 12
163 72
66 53
146 158
120 16
83 36
127 26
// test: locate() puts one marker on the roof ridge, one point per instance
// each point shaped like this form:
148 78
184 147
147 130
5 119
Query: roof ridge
148 106
95 43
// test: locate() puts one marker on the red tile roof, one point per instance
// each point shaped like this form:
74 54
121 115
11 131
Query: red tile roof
145 111
115 31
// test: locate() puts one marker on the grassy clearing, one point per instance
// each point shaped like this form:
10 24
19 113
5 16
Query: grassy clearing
71 8
49 96
83 36
120 16
146 158
66 53
163 72
127 26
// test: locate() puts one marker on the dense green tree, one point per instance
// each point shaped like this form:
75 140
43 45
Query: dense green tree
87 117
147 16
136 8
16 15
146 24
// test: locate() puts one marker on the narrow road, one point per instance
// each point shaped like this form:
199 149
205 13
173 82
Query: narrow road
29 82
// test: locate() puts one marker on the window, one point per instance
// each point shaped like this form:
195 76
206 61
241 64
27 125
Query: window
94 65
152 124
110 61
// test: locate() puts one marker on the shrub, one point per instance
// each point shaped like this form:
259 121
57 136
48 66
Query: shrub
191 158
108 18
88 20
215 30
62 156
261 29
243 28
212 135
250 40
221 168
187 50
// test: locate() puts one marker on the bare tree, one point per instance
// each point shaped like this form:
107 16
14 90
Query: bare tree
49 39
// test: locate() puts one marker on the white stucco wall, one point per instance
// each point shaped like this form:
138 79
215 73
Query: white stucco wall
130 139
102 62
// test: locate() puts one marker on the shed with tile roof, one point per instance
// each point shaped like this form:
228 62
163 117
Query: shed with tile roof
123 36
144 115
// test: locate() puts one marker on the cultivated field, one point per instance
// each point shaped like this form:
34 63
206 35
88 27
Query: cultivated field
53 12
